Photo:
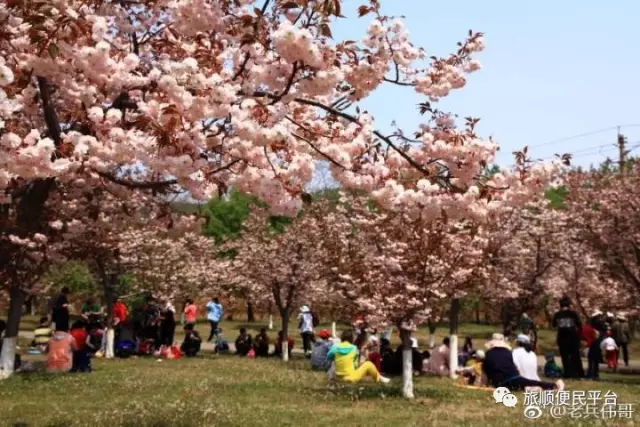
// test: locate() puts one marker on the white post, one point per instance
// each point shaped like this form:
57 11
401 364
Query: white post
270 322
111 337
453 356
407 374
432 340
8 356
333 329
285 350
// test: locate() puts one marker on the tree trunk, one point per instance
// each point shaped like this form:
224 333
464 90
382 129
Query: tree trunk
250 315
407 364
477 309
284 313
270 321
453 339
110 343
333 329
9 343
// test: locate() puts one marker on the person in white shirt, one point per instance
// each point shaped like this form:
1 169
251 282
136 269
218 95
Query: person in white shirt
611 350
525 358
305 324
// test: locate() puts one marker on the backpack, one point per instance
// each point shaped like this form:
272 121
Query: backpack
315 320
222 346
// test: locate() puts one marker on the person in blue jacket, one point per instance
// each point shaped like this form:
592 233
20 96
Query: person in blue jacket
214 316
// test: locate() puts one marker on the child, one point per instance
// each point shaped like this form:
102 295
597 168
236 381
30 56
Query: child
41 335
192 341
278 350
551 368
611 350
81 357
95 338
473 369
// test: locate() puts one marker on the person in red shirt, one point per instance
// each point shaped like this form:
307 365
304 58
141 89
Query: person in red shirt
590 337
190 311
81 361
120 312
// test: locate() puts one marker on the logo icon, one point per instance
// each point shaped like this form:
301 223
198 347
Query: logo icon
504 396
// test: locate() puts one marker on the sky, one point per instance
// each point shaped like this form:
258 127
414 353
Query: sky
552 70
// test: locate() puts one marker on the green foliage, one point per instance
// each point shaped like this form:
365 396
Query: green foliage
492 170
75 275
556 197
225 217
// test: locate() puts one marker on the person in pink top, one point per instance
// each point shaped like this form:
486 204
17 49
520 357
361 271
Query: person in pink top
439 361
61 348
190 311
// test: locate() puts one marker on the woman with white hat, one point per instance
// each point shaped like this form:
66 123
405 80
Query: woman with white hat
525 358
305 324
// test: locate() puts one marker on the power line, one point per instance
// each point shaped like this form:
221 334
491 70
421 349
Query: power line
582 135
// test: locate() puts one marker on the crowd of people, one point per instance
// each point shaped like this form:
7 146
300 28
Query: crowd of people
148 330
605 336
359 353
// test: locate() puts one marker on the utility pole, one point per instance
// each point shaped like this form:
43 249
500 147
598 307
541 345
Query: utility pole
622 153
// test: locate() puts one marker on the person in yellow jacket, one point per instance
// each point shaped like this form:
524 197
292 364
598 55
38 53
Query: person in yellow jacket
345 357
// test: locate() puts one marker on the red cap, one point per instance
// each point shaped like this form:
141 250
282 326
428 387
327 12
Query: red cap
324 334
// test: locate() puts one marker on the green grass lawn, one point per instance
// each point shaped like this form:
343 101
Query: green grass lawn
233 391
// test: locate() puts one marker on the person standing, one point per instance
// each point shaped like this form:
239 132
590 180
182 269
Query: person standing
190 312
168 324
305 324
569 329
60 312
622 336
120 312
591 337
214 316
91 311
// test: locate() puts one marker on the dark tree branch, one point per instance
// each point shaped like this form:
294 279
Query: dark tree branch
317 150
50 115
140 185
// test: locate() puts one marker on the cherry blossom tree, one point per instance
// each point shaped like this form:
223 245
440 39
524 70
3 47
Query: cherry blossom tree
287 267
602 208
201 95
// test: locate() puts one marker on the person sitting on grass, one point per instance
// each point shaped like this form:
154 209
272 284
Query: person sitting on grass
42 335
472 372
345 356
551 368
525 358
501 371
261 343
81 356
278 347
61 348
192 341
243 343
439 360
320 350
